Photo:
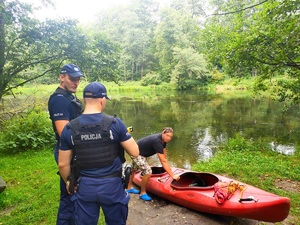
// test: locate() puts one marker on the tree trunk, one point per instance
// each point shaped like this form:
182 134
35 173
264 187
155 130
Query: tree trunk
132 70
254 72
142 64
2 46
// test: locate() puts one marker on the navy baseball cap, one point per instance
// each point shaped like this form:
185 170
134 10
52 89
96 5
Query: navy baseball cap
72 70
95 90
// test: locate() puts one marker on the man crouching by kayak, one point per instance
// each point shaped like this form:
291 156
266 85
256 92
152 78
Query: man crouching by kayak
148 146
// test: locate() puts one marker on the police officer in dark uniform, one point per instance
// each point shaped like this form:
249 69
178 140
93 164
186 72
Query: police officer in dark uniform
63 106
94 139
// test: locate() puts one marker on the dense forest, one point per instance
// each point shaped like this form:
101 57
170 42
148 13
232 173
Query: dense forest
189 43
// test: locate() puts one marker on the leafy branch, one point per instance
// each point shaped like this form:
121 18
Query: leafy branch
237 11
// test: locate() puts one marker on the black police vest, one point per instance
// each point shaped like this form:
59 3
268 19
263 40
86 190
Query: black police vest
94 145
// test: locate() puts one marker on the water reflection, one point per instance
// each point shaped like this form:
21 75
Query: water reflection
205 144
283 149
202 121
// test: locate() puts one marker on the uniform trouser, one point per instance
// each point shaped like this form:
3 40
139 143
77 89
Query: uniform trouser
65 214
95 193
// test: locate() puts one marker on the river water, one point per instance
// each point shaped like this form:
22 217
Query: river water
201 121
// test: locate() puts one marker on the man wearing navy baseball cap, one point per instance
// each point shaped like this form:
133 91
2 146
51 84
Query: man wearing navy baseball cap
95 90
72 70
96 139
63 106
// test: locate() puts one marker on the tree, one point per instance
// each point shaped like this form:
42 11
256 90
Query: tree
131 27
275 42
196 8
100 61
254 36
257 38
190 69
26 43
176 29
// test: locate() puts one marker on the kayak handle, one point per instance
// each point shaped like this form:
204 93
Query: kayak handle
250 198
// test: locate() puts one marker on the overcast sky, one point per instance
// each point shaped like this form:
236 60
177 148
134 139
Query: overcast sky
84 10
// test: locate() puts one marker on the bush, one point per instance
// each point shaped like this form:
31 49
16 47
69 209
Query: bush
28 131
217 76
151 79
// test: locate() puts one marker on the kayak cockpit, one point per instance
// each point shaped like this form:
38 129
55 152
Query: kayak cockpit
188 180
158 171
193 180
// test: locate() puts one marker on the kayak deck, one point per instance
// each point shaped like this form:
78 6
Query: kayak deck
195 190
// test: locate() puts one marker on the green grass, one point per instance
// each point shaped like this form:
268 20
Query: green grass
130 89
32 193
257 165
229 87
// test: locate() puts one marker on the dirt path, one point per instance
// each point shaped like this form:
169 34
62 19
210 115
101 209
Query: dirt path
162 212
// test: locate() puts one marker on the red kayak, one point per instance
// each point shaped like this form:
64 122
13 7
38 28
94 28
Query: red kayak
216 194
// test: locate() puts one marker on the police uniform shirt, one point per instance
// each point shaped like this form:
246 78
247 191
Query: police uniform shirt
61 108
151 145
119 133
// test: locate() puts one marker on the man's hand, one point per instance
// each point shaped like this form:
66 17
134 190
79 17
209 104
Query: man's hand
176 177
68 187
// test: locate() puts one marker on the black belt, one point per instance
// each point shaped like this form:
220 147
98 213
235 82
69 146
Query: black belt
114 174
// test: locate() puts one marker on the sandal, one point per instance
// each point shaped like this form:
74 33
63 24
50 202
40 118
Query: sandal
145 197
133 191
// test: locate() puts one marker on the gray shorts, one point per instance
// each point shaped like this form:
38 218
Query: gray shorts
140 163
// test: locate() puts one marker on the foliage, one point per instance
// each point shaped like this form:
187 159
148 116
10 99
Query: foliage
131 27
217 76
239 39
31 49
28 131
100 60
150 79
255 38
176 30
280 87
28 43
190 69
273 43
